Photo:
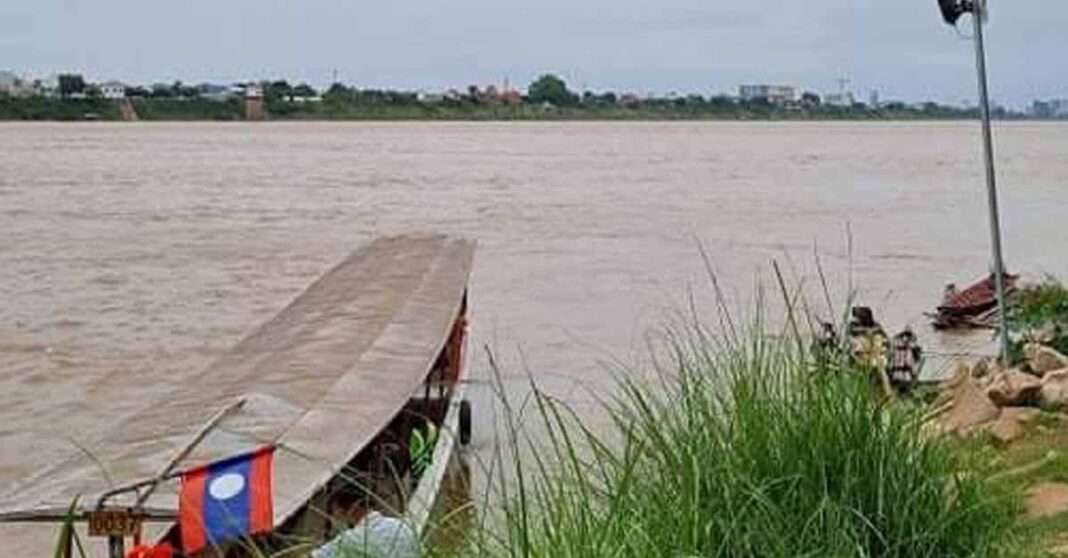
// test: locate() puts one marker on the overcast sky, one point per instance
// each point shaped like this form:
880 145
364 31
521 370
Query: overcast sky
899 47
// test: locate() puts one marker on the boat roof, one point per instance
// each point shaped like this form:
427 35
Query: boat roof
320 380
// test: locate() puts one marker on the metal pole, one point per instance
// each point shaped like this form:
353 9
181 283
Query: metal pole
115 546
978 13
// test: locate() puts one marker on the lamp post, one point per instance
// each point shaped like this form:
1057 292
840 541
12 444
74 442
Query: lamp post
951 12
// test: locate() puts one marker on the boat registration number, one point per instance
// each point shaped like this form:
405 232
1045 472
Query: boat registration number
113 522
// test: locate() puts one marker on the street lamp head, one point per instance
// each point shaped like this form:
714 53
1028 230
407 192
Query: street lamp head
953 9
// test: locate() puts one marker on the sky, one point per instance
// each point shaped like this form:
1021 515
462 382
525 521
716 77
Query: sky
899 47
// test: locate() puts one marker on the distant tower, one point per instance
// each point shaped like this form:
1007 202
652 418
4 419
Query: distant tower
874 99
253 103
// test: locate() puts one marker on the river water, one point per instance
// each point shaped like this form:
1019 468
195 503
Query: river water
131 254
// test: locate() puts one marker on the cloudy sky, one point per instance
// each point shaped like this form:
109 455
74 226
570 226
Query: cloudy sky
899 47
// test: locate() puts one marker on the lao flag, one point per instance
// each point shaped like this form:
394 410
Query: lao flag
226 500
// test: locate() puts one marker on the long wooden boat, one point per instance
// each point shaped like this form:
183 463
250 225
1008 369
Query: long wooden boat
976 298
369 358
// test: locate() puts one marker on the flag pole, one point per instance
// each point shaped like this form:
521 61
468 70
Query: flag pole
978 9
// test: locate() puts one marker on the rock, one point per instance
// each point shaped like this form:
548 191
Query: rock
1042 359
1011 388
1054 393
970 408
1004 429
947 390
1009 425
1021 415
1046 499
1043 335
982 368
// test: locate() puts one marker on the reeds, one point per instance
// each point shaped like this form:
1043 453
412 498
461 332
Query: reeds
743 445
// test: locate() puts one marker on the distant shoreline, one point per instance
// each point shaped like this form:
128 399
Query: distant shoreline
193 110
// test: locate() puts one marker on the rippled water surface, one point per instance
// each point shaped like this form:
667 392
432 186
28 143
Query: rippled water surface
133 254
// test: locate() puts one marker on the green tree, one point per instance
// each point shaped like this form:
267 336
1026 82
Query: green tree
304 90
278 90
70 84
810 99
551 89
337 93
138 91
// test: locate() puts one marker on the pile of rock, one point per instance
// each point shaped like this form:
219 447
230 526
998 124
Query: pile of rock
986 398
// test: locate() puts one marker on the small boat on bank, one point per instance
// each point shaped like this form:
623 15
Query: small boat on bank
974 306
356 388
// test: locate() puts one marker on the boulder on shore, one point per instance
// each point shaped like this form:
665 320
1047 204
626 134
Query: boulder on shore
1046 499
1004 430
1022 415
1054 392
1012 388
970 408
983 368
1042 359
1009 426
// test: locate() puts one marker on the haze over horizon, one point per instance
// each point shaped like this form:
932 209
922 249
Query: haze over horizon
903 50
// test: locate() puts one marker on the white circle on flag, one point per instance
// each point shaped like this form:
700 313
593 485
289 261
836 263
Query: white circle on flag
226 486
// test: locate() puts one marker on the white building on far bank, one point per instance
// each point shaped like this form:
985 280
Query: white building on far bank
11 84
47 87
775 94
112 90
841 99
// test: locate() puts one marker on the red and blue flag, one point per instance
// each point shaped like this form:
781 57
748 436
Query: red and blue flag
226 500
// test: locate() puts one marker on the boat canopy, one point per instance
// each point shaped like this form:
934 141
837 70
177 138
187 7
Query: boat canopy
319 381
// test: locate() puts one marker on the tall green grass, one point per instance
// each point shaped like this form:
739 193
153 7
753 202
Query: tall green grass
751 447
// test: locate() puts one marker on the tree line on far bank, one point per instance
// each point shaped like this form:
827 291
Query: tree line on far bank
547 97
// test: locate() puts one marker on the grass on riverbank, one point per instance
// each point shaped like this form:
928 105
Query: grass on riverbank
750 448
1039 457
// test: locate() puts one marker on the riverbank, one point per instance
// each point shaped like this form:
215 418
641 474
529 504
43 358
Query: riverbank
195 109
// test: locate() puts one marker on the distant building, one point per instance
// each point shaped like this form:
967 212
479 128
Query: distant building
843 99
1054 108
775 94
429 97
11 84
112 90
254 103
301 99
213 92
48 87
873 99
511 97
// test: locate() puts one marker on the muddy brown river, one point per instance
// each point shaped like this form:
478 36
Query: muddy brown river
131 254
